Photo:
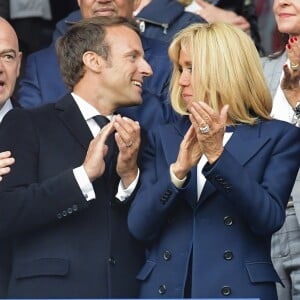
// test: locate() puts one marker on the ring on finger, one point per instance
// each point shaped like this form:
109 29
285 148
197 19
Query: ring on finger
129 144
204 129
294 67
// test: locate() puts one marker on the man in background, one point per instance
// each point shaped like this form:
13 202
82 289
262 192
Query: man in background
10 62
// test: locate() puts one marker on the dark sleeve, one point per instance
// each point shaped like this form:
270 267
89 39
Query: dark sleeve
5 265
27 201
29 93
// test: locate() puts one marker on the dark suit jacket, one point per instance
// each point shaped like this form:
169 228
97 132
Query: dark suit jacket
63 246
229 229
42 82
5 257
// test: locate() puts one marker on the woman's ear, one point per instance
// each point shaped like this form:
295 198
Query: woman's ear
92 61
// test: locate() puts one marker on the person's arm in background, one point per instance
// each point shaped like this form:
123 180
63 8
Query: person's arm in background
290 81
243 17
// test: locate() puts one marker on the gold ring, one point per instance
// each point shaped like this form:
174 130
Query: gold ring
294 67
129 144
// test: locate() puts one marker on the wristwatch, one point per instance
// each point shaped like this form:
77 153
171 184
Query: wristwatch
297 109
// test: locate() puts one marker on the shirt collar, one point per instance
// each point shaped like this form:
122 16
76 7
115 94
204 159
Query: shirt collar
5 109
87 110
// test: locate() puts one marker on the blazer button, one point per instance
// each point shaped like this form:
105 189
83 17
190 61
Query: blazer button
162 289
70 210
226 290
64 213
228 255
168 193
227 188
75 207
59 216
163 200
167 255
228 221
111 261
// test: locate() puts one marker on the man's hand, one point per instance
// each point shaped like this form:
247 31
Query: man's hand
94 164
128 140
5 162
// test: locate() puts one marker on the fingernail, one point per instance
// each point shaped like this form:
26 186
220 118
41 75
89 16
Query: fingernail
295 39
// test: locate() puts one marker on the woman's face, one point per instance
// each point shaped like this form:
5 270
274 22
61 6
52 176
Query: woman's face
287 15
185 80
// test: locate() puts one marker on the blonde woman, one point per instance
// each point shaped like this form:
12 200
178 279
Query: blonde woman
214 185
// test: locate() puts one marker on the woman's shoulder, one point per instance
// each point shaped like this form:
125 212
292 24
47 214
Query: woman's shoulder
278 127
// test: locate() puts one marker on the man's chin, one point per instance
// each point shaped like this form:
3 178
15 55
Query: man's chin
133 103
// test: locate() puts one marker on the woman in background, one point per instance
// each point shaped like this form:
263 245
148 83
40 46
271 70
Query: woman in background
285 92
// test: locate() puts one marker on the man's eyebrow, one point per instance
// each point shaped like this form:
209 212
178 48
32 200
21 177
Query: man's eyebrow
134 51
5 51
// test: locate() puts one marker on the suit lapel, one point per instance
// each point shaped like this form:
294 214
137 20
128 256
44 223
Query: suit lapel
245 143
71 116
273 70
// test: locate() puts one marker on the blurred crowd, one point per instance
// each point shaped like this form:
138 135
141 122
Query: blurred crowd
34 20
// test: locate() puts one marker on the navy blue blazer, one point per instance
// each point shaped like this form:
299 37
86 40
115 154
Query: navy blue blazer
42 83
226 233
62 245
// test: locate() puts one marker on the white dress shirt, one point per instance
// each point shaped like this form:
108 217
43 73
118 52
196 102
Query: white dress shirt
89 112
5 109
281 108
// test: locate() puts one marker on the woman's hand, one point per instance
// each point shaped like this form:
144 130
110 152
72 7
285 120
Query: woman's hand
290 81
209 128
189 154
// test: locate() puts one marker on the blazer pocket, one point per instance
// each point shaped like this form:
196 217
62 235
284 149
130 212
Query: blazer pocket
42 267
262 272
146 270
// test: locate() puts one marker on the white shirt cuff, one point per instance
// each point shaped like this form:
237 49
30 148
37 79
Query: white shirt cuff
176 181
123 193
84 183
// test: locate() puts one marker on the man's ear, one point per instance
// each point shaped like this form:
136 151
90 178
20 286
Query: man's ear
20 55
92 61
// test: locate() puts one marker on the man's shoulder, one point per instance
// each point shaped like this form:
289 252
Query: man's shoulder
44 55
155 46
62 26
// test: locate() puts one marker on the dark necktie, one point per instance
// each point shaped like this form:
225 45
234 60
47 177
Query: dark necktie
101 120
110 142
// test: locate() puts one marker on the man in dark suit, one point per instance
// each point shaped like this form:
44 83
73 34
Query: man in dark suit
10 61
38 87
66 197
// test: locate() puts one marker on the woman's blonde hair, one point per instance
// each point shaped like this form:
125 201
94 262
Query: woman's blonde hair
185 2
226 69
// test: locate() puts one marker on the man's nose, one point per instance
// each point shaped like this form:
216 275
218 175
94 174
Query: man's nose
146 69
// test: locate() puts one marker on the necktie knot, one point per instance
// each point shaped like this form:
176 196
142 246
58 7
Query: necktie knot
101 120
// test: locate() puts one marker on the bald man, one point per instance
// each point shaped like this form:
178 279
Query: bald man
10 61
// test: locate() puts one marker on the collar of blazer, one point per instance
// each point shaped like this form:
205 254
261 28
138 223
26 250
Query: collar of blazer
71 116
245 143
273 70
